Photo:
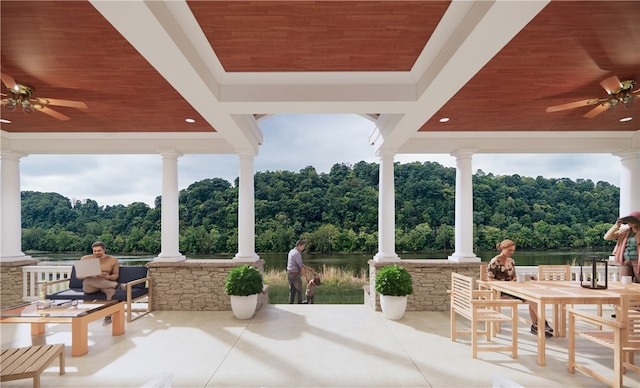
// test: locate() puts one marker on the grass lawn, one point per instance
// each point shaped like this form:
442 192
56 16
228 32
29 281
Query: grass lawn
338 287
325 294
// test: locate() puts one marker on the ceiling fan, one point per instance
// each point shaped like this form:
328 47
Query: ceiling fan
21 95
620 92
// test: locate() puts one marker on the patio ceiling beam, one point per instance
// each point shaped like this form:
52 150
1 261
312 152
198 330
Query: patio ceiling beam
173 43
468 36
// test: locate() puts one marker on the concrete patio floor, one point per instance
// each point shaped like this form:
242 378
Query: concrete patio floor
301 346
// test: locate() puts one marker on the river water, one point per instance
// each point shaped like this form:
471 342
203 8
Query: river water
358 262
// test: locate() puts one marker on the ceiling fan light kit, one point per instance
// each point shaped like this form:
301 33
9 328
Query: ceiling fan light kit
21 94
620 92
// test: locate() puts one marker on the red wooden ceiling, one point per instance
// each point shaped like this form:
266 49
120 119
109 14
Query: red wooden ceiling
67 50
558 58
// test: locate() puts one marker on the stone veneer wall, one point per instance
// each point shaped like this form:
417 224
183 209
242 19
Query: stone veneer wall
195 285
11 282
431 281
198 285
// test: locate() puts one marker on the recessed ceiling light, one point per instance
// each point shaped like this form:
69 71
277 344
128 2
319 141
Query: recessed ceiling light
625 119
5 121
444 119
190 120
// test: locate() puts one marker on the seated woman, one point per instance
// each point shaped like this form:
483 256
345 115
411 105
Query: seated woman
502 267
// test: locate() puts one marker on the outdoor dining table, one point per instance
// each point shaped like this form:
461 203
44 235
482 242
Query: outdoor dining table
560 292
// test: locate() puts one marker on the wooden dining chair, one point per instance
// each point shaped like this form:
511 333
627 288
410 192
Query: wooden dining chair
483 277
554 272
482 311
557 273
622 335
483 272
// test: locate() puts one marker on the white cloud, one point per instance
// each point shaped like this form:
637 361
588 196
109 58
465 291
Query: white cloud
291 142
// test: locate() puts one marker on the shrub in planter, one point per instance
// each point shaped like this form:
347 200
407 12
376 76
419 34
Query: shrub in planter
394 280
243 280
394 283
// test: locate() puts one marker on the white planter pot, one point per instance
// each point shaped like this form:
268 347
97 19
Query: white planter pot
393 307
244 307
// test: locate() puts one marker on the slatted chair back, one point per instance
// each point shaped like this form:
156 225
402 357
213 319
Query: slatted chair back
483 272
554 272
483 312
622 335
557 273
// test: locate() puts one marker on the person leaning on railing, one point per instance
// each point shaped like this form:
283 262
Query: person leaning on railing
626 231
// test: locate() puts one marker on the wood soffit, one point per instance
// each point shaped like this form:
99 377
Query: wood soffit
67 50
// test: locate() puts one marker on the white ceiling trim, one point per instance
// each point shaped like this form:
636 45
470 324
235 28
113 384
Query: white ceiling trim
483 32
114 143
507 142
166 45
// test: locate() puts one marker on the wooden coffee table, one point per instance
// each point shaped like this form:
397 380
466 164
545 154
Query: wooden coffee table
78 316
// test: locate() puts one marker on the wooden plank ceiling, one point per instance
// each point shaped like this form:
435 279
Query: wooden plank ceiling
67 50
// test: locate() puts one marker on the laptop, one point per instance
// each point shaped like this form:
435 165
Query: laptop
87 268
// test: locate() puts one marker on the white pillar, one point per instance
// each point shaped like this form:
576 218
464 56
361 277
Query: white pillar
386 211
629 181
246 211
170 231
464 208
10 208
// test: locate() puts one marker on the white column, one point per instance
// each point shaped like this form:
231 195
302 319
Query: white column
464 208
170 231
629 181
246 210
386 211
10 208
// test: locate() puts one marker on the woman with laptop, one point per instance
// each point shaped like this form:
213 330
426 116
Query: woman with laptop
107 280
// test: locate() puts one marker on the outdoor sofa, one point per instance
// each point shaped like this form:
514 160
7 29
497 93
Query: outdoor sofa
137 281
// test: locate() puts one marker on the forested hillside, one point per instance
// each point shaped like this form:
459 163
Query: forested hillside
336 212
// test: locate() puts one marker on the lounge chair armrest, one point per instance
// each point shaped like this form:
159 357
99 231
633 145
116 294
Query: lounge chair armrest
46 285
137 281
54 282
594 319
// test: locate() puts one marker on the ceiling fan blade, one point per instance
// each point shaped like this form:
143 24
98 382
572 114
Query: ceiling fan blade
597 110
8 81
611 84
67 103
53 113
572 105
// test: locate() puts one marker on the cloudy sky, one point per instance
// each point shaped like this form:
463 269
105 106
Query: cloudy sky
291 142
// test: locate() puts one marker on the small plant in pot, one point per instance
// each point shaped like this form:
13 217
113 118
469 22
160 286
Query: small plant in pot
393 283
243 284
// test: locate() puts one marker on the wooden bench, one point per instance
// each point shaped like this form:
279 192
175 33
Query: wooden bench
29 362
